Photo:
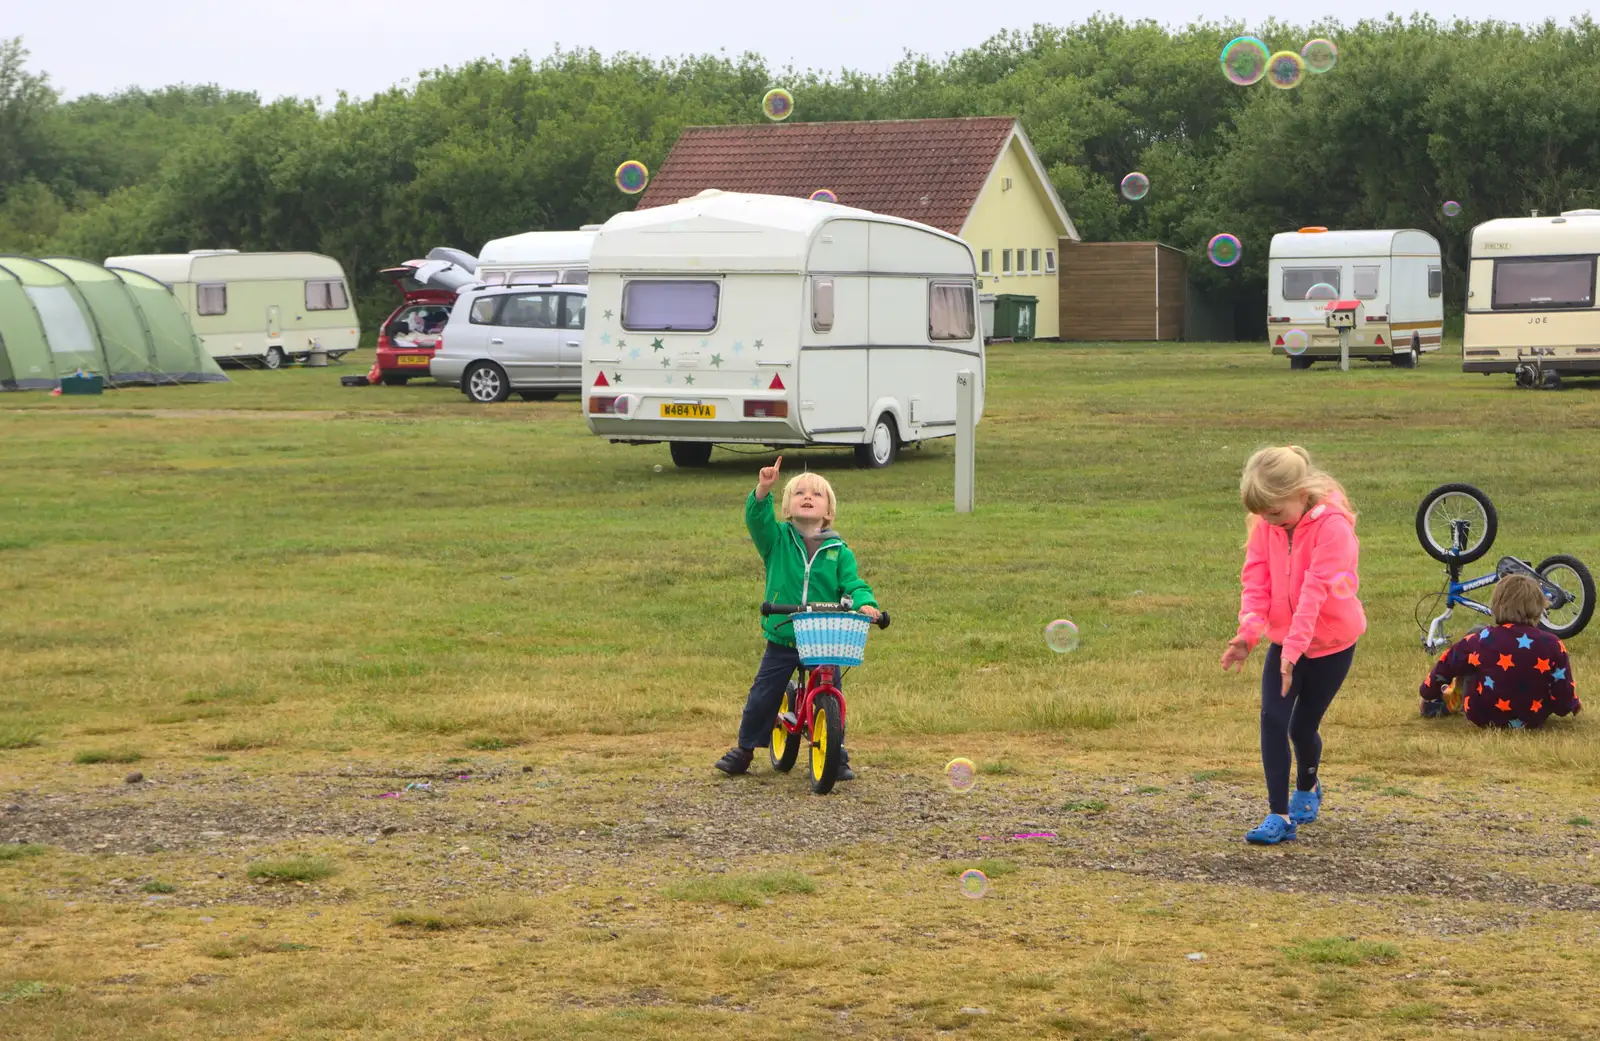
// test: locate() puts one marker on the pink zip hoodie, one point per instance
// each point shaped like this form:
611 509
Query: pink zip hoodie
1287 579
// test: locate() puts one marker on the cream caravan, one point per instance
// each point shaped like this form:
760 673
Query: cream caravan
758 319
1531 297
537 258
1394 274
262 308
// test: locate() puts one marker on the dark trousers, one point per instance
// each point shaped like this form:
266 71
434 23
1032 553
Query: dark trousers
1294 719
778 666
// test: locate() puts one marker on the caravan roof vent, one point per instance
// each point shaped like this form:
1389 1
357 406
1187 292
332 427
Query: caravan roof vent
709 193
210 252
1580 213
1315 229
590 227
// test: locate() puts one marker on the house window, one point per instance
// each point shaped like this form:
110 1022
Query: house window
1033 260
1022 262
1435 282
950 311
1366 282
1005 262
211 299
326 294
670 306
1049 261
821 304
985 260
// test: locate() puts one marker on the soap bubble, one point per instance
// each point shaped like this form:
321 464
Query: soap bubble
824 195
1135 186
1295 342
1061 636
1344 585
623 405
632 176
1451 208
1224 250
1320 55
974 883
1322 291
778 104
659 468
1286 70
962 774
1244 60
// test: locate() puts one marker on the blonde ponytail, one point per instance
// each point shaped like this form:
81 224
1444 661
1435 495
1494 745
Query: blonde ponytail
1273 476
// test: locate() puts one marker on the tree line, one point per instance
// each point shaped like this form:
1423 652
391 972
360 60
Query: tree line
1498 117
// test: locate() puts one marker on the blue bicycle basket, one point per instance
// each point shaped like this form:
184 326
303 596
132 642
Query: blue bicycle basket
831 637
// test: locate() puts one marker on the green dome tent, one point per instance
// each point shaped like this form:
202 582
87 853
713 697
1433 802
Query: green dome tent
59 315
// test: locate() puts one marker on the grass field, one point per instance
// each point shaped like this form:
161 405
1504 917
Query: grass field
282 602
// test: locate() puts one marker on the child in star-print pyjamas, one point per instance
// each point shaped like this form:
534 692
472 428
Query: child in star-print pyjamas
1513 674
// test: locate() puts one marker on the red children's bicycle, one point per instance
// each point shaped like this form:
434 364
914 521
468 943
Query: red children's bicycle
830 639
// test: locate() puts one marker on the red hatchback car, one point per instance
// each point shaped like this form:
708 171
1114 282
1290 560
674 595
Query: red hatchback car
408 338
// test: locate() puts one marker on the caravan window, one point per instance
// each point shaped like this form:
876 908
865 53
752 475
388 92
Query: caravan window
951 311
1435 282
1297 281
575 277
494 278
533 278
821 304
211 299
326 295
1366 280
1543 282
670 306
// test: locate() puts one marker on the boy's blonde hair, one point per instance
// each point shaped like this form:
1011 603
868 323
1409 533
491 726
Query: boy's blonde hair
1273 476
1517 599
818 484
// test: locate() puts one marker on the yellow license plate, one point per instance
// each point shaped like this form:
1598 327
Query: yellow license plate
679 411
412 359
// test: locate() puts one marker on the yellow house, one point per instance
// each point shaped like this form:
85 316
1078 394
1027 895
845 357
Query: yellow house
974 177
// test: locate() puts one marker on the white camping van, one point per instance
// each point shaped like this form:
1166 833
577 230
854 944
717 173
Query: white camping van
262 308
1531 295
538 258
1395 275
759 319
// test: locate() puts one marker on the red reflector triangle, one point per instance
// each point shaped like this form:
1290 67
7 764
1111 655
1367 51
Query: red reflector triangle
601 381
1378 340
776 384
1279 343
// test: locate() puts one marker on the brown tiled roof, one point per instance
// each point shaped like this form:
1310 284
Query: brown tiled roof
928 170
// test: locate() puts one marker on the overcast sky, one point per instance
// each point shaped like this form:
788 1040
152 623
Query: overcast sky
312 48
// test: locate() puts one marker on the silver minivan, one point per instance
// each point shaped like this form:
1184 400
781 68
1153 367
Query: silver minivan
505 339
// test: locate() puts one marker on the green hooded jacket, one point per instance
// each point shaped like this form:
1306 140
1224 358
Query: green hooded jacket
794 579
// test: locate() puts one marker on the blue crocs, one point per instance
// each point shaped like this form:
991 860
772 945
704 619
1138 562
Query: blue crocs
1303 806
1270 832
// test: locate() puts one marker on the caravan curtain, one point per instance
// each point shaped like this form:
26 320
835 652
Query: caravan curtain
950 312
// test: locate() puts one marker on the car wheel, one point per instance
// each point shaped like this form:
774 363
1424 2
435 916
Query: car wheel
537 395
394 379
486 383
690 453
884 446
274 358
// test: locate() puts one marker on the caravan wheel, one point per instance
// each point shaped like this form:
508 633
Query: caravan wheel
884 446
274 358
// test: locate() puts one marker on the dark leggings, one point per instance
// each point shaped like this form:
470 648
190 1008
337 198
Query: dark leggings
1295 718
778 666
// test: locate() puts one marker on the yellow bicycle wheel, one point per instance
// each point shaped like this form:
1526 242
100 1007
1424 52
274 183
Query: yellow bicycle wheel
827 742
785 747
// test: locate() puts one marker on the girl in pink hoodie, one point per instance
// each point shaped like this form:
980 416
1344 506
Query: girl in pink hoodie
1300 581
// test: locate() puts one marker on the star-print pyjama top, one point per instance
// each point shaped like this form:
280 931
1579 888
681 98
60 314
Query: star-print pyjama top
1512 676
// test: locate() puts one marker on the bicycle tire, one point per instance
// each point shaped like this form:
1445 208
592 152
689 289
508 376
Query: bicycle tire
827 747
1585 581
1443 554
785 746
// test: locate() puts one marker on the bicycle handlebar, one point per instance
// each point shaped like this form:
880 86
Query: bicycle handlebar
770 608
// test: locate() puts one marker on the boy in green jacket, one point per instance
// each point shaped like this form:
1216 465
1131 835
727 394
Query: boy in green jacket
807 562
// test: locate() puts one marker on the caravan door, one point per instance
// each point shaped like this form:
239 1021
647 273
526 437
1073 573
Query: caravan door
833 359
